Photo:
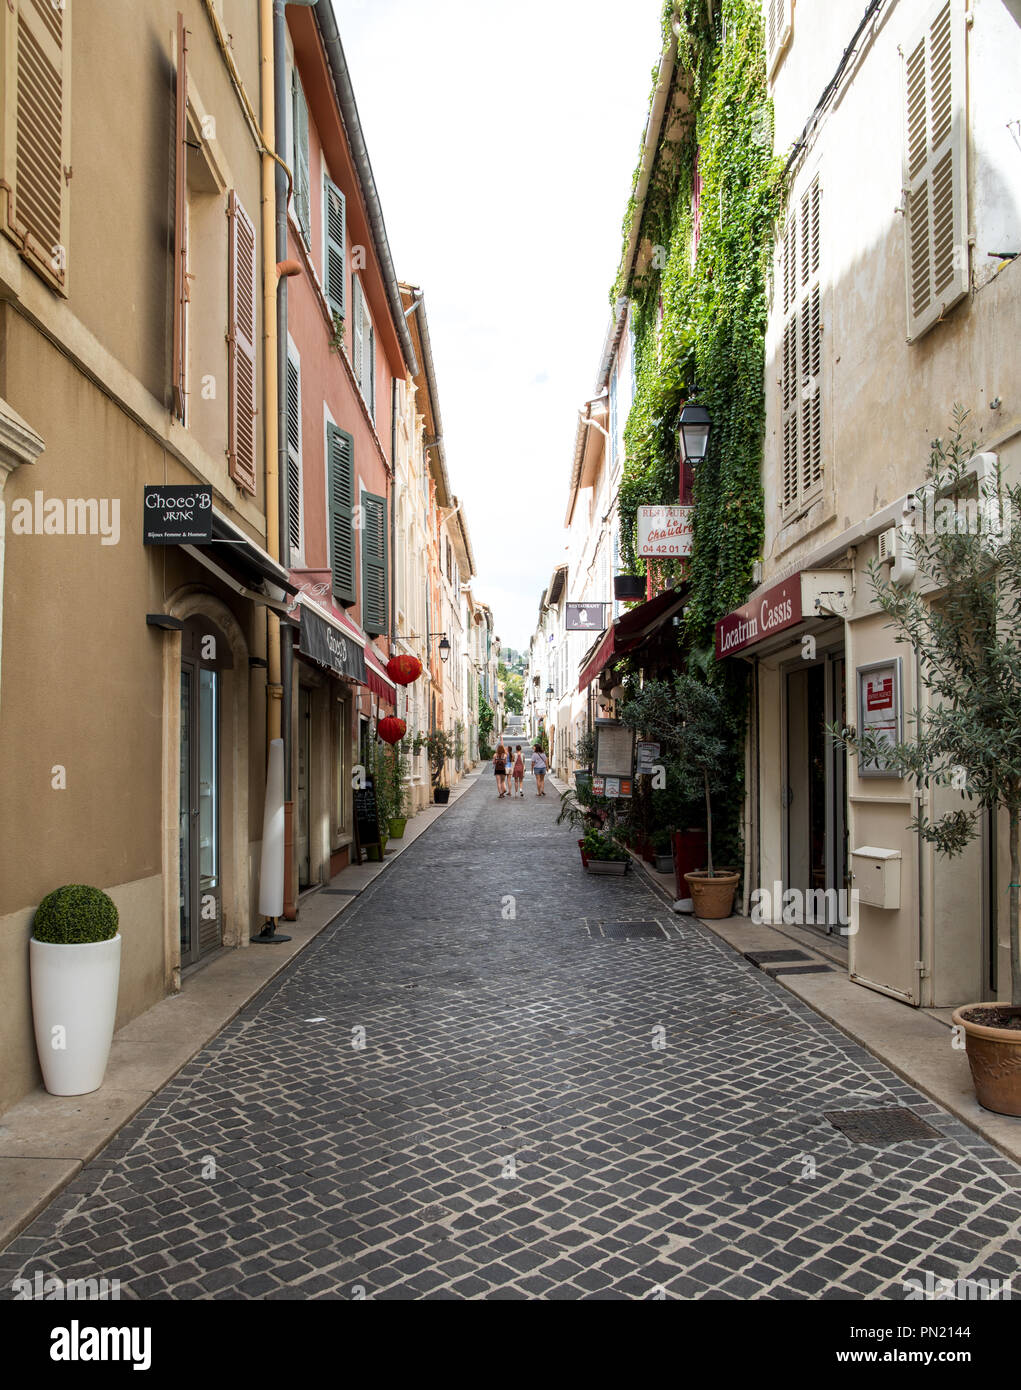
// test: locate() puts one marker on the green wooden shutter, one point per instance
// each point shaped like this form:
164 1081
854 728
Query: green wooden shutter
302 199
293 413
336 230
341 456
374 564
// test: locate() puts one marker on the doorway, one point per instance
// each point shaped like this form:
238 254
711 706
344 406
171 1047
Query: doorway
304 785
815 794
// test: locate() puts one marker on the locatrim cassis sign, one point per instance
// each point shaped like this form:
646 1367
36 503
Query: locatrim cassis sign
178 515
777 608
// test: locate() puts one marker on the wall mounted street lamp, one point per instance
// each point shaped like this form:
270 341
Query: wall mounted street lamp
695 428
549 690
417 637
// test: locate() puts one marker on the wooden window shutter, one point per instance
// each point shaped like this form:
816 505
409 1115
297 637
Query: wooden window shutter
374 564
302 192
370 395
935 173
336 232
801 357
357 329
179 376
778 31
294 458
37 138
241 334
340 451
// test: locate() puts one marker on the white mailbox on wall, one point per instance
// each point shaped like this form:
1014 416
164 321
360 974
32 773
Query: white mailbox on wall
876 875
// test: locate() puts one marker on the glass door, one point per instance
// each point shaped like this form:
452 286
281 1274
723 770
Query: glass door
199 815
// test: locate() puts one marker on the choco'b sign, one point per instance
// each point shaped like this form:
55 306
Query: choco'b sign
177 515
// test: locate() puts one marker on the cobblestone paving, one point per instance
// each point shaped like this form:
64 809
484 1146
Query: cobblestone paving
538 1111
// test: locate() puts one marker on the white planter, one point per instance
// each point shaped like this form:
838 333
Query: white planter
74 1004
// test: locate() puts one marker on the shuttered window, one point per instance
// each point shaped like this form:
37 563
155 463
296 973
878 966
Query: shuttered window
180 316
777 16
241 404
935 174
363 350
294 459
299 161
340 452
801 355
374 587
35 51
334 257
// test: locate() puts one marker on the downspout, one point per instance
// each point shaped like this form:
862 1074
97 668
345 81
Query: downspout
393 507
270 393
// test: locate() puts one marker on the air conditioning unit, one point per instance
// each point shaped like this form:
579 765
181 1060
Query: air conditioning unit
887 542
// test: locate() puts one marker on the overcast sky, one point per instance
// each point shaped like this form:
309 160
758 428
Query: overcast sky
503 139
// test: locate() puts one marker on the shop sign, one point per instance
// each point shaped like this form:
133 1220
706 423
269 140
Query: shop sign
330 648
665 532
585 617
647 759
778 608
177 515
616 786
880 710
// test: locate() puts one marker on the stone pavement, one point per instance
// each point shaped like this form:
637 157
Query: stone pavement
478 1083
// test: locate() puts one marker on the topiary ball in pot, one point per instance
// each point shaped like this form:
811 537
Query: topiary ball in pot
75 959
75 914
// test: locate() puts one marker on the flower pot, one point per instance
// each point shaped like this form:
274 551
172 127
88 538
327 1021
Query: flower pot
628 586
664 863
606 866
689 855
441 795
74 1004
584 856
647 852
397 824
713 897
994 1055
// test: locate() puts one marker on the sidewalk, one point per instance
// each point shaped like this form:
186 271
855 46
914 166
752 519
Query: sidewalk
45 1140
915 1043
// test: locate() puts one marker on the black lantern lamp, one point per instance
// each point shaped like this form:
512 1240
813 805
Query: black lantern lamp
444 649
695 429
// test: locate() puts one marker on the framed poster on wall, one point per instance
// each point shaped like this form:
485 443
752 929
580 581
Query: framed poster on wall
880 709
615 749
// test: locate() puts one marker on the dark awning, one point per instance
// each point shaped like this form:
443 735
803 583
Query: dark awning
326 644
630 630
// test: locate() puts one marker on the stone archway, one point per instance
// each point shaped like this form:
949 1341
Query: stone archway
187 602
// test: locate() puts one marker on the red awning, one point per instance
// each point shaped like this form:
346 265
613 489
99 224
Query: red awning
375 673
630 630
607 648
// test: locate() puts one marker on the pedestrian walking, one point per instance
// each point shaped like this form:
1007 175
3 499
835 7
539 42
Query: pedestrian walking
539 766
519 772
500 768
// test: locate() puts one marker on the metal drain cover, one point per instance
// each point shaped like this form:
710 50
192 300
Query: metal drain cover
798 970
767 957
632 931
891 1124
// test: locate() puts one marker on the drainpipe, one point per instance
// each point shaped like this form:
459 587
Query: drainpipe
393 508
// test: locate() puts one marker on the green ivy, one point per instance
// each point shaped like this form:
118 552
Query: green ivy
711 342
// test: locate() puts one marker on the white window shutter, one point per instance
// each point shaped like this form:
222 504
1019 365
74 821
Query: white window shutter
777 15
357 326
935 171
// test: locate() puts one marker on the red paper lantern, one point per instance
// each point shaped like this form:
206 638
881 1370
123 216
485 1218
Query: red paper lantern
404 669
391 730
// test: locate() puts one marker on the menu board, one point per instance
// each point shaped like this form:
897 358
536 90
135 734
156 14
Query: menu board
614 749
366 816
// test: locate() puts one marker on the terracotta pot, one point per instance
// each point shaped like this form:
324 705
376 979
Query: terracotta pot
994 1055
713 897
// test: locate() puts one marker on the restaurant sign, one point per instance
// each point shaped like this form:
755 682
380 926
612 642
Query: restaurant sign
665 532
776 609
585 617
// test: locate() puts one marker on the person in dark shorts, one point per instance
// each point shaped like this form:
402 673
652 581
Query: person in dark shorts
500 768
539 766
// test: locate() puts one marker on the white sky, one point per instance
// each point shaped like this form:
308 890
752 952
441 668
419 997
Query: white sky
503 138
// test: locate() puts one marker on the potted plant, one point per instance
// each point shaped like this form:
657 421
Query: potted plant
397 790
662 843
601 854
629 587
968 735
688 716
75 960
439 745
585 753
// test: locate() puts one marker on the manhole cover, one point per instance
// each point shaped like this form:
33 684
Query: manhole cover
892 1124
632 931
765 957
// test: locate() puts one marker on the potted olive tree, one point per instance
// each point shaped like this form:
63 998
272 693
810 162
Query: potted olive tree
75 960
961 617
439 746
687 716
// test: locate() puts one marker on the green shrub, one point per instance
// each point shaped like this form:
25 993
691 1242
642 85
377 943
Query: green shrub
75 914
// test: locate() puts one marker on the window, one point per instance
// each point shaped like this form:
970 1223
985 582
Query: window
334 254
935 187
293 413
778 32
801 356
374 585
241 404
340 464
299 158
363 347
35 58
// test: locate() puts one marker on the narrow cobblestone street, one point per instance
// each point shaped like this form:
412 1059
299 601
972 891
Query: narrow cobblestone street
539 1110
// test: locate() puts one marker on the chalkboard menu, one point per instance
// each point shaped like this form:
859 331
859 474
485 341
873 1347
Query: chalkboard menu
366 817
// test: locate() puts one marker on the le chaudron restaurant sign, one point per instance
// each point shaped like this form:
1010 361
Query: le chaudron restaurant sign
664 532
178 515
777 608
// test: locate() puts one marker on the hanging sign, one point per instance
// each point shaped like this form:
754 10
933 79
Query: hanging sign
177 515
585 617
665 532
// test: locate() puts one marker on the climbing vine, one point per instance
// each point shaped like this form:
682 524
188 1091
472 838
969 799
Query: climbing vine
699 313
